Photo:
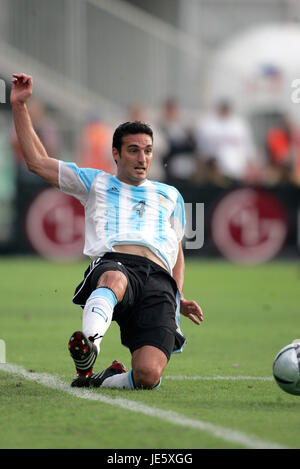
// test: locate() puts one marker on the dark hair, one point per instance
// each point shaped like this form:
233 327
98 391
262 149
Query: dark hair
129 128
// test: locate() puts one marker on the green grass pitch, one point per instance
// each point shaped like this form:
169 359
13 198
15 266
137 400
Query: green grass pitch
250 313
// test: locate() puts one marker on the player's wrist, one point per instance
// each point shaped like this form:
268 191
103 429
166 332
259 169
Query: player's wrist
18 104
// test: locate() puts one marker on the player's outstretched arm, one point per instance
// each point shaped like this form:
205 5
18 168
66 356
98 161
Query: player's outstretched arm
34 153
190 309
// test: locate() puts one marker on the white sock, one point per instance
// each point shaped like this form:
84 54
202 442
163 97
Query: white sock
97 314
121 381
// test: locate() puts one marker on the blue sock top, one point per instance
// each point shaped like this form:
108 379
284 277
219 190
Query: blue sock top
107 293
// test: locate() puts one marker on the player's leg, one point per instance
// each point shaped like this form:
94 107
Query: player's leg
148 364
148 328
98 310
84 345
151 349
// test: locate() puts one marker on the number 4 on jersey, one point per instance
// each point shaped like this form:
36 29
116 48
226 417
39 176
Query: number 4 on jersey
139 207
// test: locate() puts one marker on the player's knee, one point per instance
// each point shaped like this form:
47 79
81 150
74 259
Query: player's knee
115 280
111 277
146 377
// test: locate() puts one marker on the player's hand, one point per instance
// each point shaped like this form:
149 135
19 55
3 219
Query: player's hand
191 310
21 89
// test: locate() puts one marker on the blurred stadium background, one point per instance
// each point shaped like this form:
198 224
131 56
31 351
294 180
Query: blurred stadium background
216 79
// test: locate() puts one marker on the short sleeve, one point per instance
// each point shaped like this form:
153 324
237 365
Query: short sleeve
76 181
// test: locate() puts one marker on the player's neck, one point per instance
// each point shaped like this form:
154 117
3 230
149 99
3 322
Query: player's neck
129 181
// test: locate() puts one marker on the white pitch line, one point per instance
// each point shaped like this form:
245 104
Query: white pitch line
217 378
227 434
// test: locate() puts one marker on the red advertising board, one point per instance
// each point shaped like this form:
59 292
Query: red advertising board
55 225
249 226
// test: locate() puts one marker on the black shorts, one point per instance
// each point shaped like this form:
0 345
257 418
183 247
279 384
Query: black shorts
149 311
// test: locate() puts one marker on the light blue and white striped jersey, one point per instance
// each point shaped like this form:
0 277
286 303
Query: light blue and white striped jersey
151 214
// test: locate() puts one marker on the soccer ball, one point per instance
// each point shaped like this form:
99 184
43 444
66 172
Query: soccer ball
286 368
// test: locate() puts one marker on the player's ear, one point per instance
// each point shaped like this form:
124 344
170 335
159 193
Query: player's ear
115 155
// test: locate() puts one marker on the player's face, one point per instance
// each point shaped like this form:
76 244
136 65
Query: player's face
134 162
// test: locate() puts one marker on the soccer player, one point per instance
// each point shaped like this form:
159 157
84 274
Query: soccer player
133 233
